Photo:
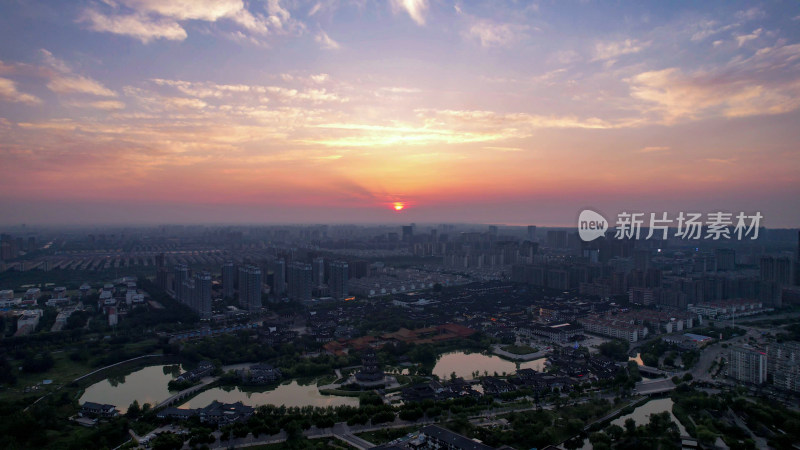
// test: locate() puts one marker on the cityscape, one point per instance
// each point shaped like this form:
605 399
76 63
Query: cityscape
399 225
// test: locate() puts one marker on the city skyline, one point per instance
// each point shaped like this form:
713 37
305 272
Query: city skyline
143 112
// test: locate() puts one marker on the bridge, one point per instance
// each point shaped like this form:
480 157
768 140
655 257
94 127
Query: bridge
647 370
186 393
654 387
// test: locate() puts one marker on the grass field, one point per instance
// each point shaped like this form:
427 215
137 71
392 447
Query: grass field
386 435
520 349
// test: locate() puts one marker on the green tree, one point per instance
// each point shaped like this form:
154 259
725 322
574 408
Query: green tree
134 411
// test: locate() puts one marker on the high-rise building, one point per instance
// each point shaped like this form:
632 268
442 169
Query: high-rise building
338 279
641 259
532 233
357 268
187 294
557 238
180 273
747 365
318 271
279 277
408 233
250 281
797 262
777 269
725 258
783 365
228 279
300 279
202 294
162 278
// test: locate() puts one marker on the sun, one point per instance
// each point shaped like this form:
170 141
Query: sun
398 206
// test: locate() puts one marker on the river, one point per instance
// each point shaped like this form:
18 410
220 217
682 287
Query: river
148 385
465 364
287 394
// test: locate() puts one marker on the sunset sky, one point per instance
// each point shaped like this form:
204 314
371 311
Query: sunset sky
166 111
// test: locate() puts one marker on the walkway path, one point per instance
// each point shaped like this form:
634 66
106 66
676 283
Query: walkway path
498 350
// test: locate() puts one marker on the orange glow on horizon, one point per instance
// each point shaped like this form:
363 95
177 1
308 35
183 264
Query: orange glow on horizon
398 206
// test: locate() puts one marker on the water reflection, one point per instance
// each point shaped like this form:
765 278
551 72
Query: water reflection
148 385
287 394
174 370
466 365
641 416
637 358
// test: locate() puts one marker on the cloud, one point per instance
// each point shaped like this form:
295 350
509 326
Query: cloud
492 34
105 105
209 90
744 38
751 14
453 127
147 20
326 42
64 81
654 149
79 85
140 27
504 149
611 50
721 160
9 92
416 9
676 95
209 10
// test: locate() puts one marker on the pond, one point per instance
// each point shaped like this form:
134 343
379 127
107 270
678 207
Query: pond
287 394
465 364
148 385
641 416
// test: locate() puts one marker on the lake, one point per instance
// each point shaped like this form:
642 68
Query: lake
288 394
464 364
148 385
641 416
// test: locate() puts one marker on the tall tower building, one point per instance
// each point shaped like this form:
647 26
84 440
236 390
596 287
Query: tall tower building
250 281
318 271
338 280
228 279
777 269
279 277
532 233
180 274
797 262
408 233
300 280
725 259
202 294
188 294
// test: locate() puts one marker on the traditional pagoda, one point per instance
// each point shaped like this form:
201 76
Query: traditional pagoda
371 371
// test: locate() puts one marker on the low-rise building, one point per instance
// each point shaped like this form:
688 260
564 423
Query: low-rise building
616 328
560 333
92 409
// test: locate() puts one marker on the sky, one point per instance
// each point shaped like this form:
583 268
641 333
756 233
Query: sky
506 112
